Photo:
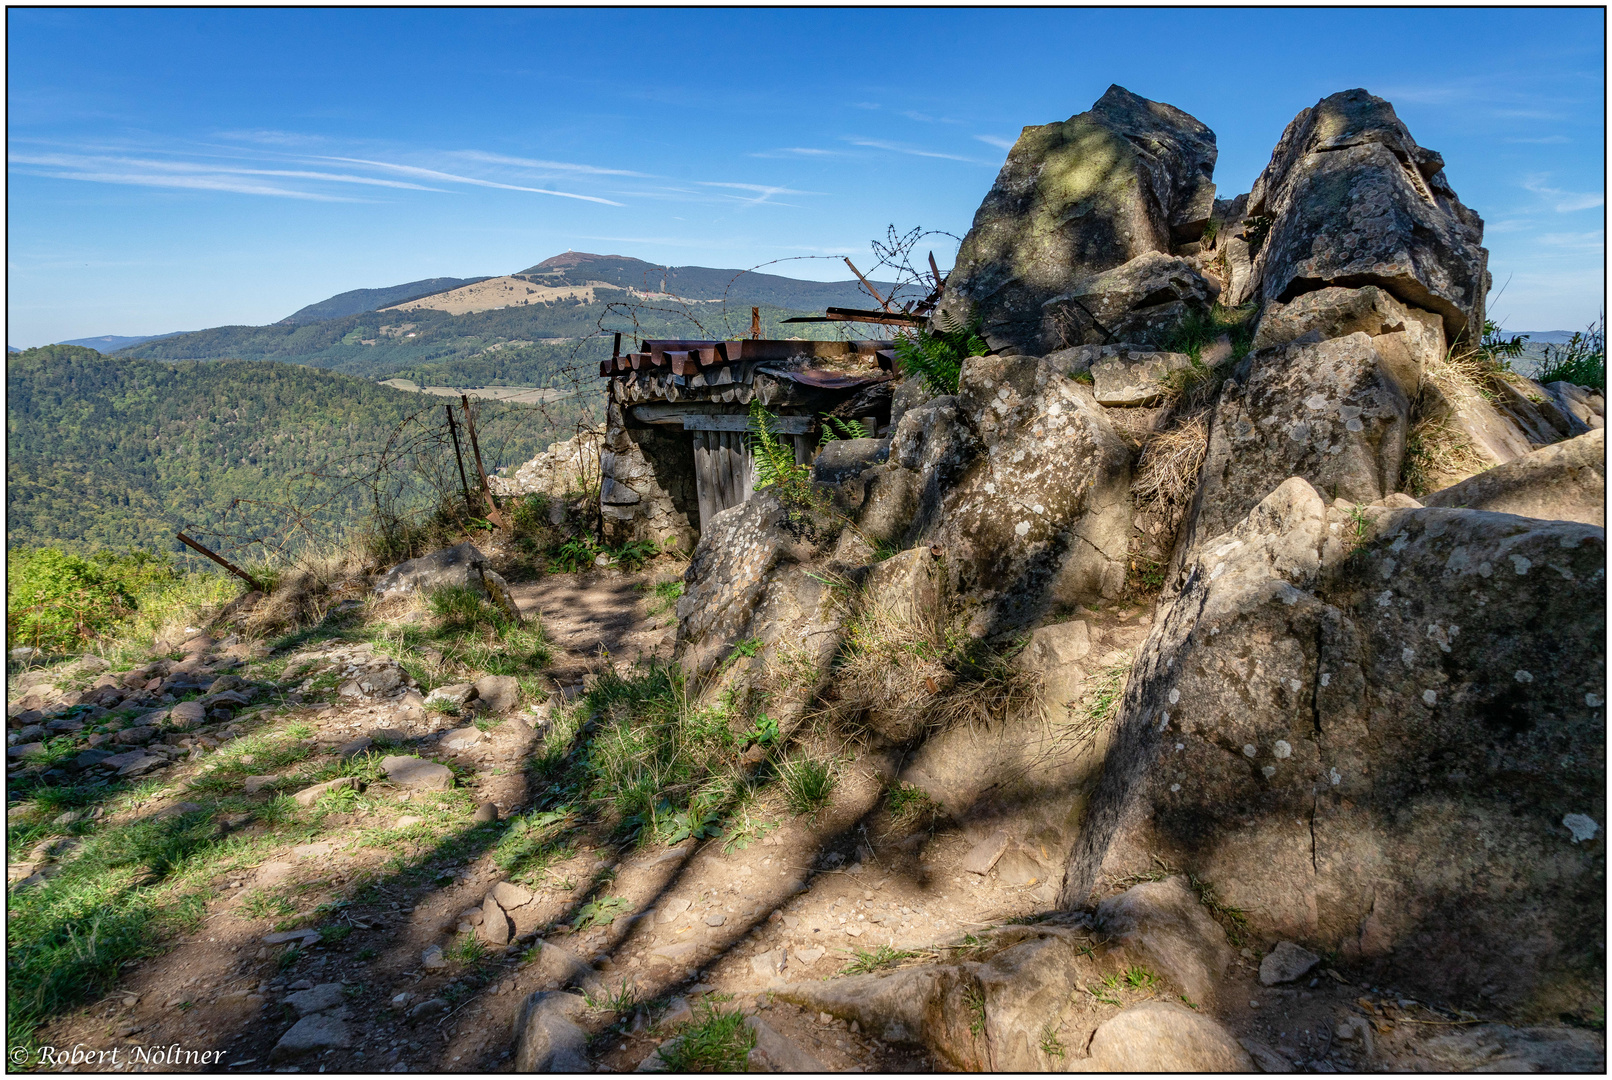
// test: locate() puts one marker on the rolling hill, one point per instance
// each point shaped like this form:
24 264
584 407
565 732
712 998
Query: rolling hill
355 301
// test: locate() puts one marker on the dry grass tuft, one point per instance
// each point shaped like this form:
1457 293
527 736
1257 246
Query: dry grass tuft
1167 473
920 672
306 593
1469 369
1434 452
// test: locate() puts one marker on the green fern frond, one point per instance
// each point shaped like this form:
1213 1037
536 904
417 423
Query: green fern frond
938 357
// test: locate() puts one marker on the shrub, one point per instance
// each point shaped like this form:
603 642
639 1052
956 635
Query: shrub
775 461
57 602
1581 361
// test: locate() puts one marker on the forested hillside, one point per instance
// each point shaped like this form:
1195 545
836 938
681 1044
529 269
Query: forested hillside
120 452
356 301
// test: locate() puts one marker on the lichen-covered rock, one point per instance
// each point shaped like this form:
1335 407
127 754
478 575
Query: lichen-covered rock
1126 376
1369 742
1353 201
1143 302
1041 517
1074 199
1163 1037
1327 411
845 458
1405 337
1562 482
560 472
1163 924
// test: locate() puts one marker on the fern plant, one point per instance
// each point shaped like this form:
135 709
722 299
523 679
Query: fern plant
835 429
937 356
775 460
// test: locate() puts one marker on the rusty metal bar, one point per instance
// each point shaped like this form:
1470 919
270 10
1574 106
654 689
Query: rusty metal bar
494 515
883 303
464 484
755 324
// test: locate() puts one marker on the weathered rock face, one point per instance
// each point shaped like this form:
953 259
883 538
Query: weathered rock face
1004 1013
1353 201
1126 376
462 566
1373 749
745 580
1562 482
646 485
1406 338
1074 199
1143 302
1042 516
1328 411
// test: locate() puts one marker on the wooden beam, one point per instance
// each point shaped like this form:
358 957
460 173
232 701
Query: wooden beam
783 425
221 561
495 515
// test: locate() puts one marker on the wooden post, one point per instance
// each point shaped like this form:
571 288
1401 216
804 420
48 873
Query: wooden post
464 484
494 515
755 324
221 561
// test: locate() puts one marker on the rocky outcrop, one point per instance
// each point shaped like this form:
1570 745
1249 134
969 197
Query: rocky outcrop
564 471
1144 302
1025 1008
1041 516
1352 201
1074 199
1331 412
1562 482
1359 729
1126 376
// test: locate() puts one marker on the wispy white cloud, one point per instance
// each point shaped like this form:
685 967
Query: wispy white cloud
150 172
543 166
1548 140
435 174
764 192
900 148
1563 201
796 151
273 138
996 141
1594 240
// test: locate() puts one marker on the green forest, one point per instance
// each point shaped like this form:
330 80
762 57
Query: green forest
118 452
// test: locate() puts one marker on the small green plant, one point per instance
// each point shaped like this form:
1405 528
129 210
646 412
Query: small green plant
263 905
288 956
1188 1002
633 555
807 784
937 357
665 597
909 803
1139 978
1210 231
619 1000
574 556
675 826
1234 919
339 800
366 953
1050 1045
974 1000
329 935
868 960
600 911
763 731
1359 527
746 647
716 1040
1105 692
1106 992
468 950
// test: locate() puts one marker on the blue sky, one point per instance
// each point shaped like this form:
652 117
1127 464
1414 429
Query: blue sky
177 169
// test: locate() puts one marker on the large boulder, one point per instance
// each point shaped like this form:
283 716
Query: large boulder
1353 201
1328 411
462 566
1562 482
1406 338
1382 735
1143 302
1042 515
1073 199
547 1035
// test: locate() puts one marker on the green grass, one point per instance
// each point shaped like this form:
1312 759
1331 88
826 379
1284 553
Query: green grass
468 950
909 803
716 1040
807 783
869 960
664 597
